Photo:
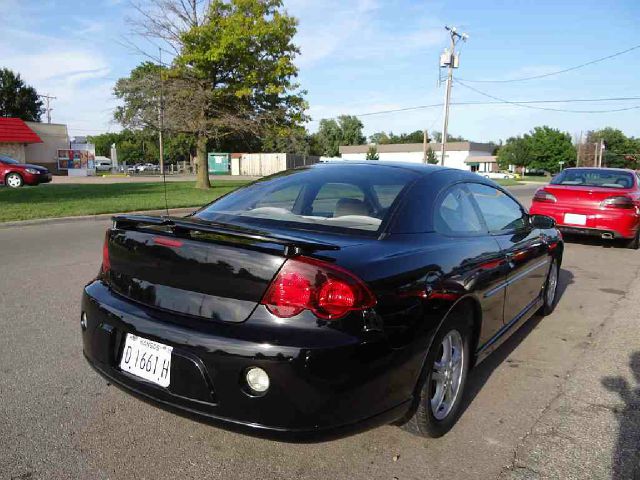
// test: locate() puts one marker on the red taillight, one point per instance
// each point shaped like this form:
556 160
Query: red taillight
106 263
167 242
617 202
304 283
543 196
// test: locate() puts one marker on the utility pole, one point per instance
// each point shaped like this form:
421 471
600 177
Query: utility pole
450 59
161 117
47 100
425 141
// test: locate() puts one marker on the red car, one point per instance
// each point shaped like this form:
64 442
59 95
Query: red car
15 174
603 202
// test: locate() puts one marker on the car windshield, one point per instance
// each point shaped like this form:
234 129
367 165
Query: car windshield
594 177
5 159
336 197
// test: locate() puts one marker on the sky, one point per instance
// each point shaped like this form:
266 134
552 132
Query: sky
364 56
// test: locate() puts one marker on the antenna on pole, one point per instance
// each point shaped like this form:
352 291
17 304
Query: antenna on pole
449 59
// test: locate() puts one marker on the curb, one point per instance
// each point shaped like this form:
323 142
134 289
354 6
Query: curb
97 218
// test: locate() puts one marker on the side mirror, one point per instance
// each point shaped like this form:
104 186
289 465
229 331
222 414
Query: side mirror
542 221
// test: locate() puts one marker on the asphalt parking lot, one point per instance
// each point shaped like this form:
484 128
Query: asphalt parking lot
558 400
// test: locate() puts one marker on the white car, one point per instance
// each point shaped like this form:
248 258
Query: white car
497 175
103 164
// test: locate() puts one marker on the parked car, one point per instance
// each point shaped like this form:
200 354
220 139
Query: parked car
103 164
14 174
602 202
322 300
148 167
498 175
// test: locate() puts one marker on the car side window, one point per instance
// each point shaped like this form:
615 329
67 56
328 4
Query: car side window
501 213
456 214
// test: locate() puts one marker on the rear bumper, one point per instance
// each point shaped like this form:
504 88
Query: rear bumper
331 389
619 223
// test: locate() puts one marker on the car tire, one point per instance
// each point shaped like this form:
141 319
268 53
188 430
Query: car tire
13 180
634 243
550 290
435 414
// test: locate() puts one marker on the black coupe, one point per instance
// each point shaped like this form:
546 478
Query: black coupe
320 301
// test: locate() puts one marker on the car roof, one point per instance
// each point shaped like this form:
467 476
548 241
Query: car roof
628 170
420 168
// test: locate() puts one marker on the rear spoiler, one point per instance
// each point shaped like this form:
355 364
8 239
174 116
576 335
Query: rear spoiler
292 246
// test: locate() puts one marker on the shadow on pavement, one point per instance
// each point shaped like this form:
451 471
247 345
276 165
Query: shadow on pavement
626 456
480 374
593 241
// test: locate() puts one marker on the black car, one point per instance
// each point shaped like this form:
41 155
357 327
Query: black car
320 301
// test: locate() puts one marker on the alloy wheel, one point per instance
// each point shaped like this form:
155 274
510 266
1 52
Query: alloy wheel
14 180
552 284
446 375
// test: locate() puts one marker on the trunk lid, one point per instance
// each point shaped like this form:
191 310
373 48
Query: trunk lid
193 268
589 197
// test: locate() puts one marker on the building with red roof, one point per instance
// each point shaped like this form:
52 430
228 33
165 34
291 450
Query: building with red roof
33 142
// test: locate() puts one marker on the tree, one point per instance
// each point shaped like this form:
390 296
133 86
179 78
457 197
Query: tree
437 136
232 75
548 147
329 137
379 138
372 153
620 150
351 130
516 151
431 157
347 130
18 99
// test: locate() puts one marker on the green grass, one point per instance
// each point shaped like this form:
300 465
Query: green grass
506 182
47 201
536 178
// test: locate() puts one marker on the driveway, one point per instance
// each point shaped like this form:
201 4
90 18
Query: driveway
528 413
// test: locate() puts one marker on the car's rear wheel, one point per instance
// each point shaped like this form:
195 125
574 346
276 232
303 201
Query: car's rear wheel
634 243
14 180
444 378
550 288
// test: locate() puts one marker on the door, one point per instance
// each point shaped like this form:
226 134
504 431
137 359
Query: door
527 254
480 265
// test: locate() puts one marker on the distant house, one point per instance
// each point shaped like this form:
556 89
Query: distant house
462 155
33 142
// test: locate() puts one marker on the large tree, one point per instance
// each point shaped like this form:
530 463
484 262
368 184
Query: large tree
233 72
346 130
515 151
620 150
18 99
550 148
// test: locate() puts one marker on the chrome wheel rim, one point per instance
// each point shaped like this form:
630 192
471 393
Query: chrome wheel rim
446 375
552 284
13 181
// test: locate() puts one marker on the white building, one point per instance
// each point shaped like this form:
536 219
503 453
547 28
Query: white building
463 155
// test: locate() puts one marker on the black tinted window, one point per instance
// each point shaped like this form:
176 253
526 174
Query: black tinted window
455 213
500 211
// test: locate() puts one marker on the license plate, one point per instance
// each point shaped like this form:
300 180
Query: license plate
147 359
575 219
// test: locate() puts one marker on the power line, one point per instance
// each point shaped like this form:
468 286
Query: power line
557 72
496 102
525 105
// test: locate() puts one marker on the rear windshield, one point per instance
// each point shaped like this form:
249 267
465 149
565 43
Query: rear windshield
355 197
594 177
